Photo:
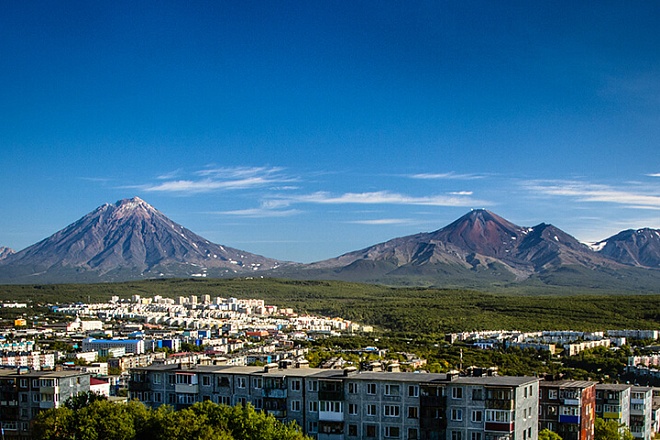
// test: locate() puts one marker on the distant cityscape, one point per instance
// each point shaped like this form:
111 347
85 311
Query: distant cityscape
236 351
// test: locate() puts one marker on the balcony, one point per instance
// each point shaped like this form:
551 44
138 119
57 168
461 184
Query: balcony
331 394
184 388
612 415
275 393
277 413
46 405
431 400
331 416
572 402
499 427
500 404
139 386
637 401
430 424
569 419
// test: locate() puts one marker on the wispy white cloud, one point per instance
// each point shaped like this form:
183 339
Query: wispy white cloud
386 197
383 221
446 176
654 175
635 196
220 179
239 172
261 212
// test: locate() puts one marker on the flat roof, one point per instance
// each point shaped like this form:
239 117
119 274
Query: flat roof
568 383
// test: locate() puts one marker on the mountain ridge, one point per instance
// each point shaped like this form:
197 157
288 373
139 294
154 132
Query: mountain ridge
128 239
132 240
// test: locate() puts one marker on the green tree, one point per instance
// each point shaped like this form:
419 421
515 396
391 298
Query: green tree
82 400
610 430
546 434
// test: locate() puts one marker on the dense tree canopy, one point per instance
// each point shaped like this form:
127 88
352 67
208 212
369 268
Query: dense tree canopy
104 420
546 434
610 430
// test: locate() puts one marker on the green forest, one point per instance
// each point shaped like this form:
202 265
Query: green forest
403 311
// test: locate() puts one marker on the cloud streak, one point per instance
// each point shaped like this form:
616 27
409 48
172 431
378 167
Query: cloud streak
387 198
445 176
634 197
220 179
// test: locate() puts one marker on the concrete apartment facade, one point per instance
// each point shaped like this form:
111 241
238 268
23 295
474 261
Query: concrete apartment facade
24 393
613 402
347 404
568 408
641 412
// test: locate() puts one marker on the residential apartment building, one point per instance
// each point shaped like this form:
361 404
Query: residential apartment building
25 393
568 408
613 402
641 412
347 404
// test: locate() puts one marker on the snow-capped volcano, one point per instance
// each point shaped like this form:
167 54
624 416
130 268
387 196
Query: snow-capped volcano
126 240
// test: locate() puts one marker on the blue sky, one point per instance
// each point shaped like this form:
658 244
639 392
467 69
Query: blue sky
303 130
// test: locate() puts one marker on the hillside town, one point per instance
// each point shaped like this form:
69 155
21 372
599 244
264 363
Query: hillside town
164 351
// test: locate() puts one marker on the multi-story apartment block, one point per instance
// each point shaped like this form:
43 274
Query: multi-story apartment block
568 408
641 416
24 393
613 402
347 404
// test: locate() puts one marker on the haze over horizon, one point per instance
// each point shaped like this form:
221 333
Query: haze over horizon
304 130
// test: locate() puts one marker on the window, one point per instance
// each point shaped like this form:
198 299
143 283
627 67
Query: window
352 430
477 394
456 435
352 388
457 393
35 383
258 404
391 410
413 412
256 382
413 391
331 406
185 379
313 406
392 432
371 430
477 416
552 394
475 436
23 383
223 381
295 405
295 385
391 390
171 380
371 388
371 410
352 409
498 416
36 398
313 427
457 414
158 398
240 382
313 385
413 434
206 381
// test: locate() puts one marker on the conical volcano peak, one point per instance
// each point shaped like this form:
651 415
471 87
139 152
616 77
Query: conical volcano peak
133 206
